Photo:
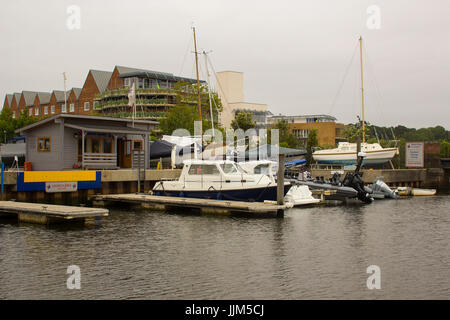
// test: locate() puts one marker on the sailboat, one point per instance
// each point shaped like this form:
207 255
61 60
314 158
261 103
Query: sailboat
346 152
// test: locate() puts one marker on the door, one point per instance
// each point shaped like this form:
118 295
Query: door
124 153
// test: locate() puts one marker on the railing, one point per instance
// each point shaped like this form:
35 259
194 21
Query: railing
100 160
125 91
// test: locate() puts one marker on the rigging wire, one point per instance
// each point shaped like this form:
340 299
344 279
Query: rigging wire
343 79
188 47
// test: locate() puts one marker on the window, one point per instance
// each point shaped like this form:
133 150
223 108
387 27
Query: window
141 83
64 108
228 168
107 146
36 111
96 103
30 112
14 115
72 107
197 169
52 108
95 145
45 110
127 82
137 144
43 144
86 106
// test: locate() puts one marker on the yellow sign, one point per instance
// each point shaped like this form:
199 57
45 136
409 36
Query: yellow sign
58 176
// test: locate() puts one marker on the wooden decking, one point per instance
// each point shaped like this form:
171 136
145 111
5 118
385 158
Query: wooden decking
204 205
44 213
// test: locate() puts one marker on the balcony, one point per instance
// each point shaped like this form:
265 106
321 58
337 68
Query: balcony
139 92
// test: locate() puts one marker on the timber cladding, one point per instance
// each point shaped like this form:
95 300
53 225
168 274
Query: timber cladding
115 82
327 132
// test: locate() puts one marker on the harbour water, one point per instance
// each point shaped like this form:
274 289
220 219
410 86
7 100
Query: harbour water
318 252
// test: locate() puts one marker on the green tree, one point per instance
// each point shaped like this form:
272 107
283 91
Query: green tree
311 143
244 121
286 138
8 124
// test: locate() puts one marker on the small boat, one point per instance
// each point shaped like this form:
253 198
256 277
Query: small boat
407 191
297 194
221 180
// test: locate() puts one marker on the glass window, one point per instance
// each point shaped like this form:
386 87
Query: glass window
86 106
36 111
30 112
228 168
52 109
96 103
43 144
197 169
107 146
14 115
262 169
45 110
72 107
64 108
95 145
137 145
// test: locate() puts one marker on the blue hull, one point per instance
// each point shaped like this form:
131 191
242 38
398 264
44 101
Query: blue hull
248 195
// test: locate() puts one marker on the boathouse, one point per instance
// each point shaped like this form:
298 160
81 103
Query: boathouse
67 141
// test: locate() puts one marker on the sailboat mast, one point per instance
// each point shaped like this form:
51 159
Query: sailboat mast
198 81
209 92
362 91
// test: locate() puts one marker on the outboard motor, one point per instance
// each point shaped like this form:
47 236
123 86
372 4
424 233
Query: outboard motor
355 181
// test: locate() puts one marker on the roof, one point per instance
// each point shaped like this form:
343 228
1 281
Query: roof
77 92
322 116
105 129
9 98
17 96
125 72
44 97
101 79
29 97
59 95
77 116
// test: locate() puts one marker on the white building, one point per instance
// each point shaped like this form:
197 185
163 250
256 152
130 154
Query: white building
230 88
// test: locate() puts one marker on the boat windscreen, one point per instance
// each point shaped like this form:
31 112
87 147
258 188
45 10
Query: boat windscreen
229 168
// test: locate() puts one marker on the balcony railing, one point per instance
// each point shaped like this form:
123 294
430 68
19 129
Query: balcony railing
146 91
99 160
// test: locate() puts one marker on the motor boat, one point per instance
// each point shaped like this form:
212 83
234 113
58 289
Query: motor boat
221 180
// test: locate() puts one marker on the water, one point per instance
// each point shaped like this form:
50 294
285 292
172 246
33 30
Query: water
313 253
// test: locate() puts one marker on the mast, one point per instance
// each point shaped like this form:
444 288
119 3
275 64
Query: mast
209 92
198 81
362 90
65 96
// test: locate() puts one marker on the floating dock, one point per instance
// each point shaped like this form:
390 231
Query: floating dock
203 205
47 213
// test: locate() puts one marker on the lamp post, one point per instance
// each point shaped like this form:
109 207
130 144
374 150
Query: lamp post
4 132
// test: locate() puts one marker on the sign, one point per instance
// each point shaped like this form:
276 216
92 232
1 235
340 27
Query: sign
414 154
61 186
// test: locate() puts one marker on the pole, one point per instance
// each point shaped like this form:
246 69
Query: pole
280 184
65 96
362 89
198 80
209 93
2 178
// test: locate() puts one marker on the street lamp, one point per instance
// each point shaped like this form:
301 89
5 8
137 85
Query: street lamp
4 131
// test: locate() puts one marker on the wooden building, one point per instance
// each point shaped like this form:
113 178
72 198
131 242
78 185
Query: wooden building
66 141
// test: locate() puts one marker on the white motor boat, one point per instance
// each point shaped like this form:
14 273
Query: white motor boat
345 154
222 180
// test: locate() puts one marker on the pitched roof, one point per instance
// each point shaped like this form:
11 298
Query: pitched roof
101 79
17 96
9 98
59 95
29 97
77 92
44 97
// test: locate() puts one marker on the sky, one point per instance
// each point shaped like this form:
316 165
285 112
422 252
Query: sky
296 56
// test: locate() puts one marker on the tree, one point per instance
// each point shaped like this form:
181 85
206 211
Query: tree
244 121
8 124
311 142
286 138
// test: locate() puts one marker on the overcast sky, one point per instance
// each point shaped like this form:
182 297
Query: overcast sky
294 54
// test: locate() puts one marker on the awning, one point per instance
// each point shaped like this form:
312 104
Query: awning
106 129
